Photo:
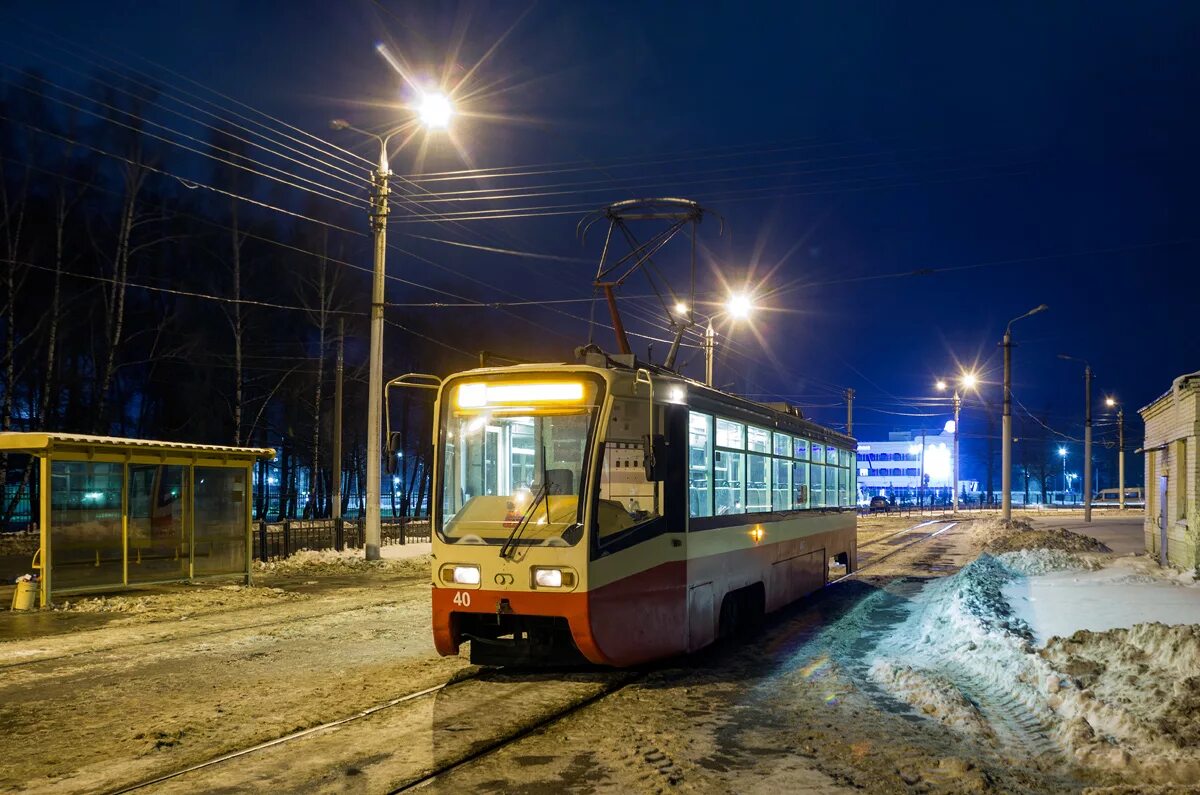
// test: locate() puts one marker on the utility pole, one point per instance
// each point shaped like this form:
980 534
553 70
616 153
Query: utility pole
849 412
337 420
372 534
1087 444
1121 456
957 406
1006 424
710 342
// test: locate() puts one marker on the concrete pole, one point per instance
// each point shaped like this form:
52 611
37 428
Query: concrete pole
1121 456
1087 444
710 342
849 412
1006 432
379 213
957 406
337 420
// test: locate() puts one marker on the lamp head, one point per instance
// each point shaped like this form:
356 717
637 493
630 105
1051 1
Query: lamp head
739 306
1110 402
435 111
969 380
940 385
681 309
1062 451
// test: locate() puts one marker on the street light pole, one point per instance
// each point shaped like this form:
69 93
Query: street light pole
1121 456
957 406
1087 444
1006 424
710 342
373 531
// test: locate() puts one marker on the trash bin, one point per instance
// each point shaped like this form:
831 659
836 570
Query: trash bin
25 597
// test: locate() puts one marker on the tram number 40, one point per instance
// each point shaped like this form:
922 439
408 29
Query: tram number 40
462 599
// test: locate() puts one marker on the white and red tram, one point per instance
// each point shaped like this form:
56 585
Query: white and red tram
623 514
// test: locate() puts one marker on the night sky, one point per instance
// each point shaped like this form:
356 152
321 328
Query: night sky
984 159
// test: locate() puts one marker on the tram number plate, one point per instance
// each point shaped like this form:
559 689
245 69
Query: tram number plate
462 599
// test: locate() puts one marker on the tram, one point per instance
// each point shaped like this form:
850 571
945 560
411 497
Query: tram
618 513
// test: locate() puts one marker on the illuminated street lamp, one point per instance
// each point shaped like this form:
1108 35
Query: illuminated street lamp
1111 402
738 307
966 381
1062 453
434 112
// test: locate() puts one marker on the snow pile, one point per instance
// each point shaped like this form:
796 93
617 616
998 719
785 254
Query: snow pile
191 599
24 542
314 562
1125 701
1000 536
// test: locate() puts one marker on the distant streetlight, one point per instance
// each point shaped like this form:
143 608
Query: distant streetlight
1062 453
434 112
681 309
966 381
1111 402
1006 425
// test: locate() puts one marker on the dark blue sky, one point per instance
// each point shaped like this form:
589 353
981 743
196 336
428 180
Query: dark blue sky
1050 144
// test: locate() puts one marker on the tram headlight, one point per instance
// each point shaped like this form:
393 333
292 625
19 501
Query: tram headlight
460 574
546 577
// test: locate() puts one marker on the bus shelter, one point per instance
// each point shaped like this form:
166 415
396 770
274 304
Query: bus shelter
121 513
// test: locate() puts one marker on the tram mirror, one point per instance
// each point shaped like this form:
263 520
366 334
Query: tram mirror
654 458
390 461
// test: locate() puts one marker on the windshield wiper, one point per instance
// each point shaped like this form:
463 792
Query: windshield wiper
514 537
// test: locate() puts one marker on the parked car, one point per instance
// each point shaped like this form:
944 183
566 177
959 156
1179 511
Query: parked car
881 504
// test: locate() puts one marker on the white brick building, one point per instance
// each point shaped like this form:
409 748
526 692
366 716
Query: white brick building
1172 473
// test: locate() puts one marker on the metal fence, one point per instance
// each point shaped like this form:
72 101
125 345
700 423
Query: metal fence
276 540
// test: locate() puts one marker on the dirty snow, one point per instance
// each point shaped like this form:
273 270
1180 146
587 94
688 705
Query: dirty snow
1124 703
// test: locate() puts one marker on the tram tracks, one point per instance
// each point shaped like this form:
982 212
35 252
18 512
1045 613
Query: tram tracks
466 744
417 772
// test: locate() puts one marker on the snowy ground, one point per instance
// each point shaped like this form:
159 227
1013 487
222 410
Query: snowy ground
934 671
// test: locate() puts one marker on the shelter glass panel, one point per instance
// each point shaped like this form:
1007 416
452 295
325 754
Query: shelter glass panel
699 464
86 548
220 523
758 483
157 539
729 480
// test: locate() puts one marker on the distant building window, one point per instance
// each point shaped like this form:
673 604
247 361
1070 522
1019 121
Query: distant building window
896 471
911 472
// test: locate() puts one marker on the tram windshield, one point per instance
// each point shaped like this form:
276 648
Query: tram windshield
515 459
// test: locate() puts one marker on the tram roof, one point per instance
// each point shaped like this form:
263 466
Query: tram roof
46 443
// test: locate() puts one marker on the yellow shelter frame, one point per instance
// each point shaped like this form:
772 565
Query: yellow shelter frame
52 448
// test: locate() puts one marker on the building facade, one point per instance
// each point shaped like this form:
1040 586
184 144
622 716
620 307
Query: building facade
911 467
1172 523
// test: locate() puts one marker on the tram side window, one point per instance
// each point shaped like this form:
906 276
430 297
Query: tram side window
700 464
843 487
816 486
781 499
731 434
801 449
729 481
800 488
758 482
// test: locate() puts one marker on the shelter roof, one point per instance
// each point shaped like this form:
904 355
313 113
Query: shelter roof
42 443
